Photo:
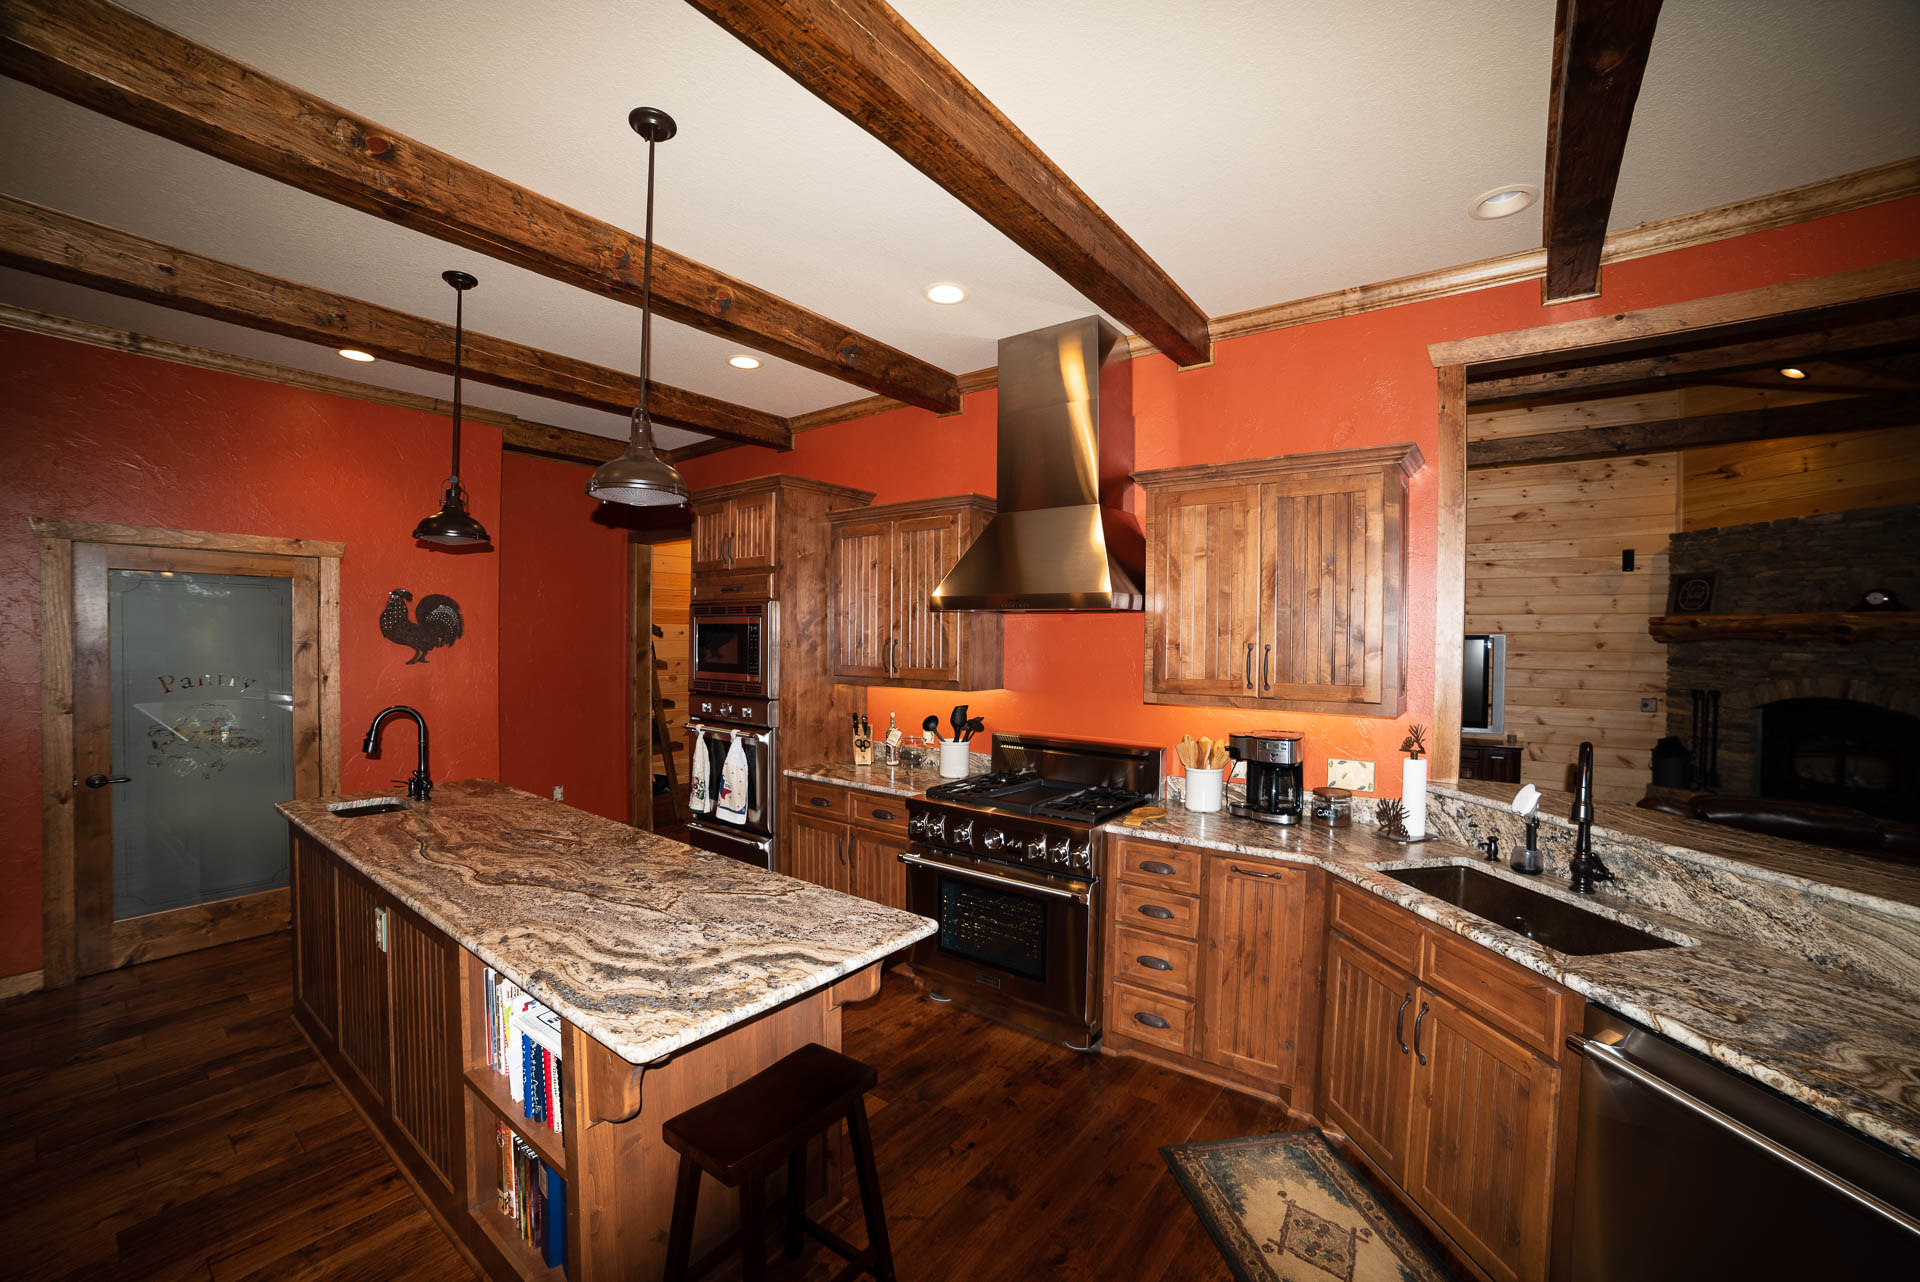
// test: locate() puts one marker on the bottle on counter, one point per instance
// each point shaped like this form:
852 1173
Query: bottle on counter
733 783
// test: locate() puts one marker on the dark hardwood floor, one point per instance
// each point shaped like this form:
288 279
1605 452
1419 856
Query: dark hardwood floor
170 1123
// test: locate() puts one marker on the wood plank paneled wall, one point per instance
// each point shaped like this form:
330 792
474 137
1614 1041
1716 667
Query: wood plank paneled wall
673 615
1798 476
1544 544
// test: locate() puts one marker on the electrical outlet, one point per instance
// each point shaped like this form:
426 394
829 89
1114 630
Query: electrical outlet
1356 776
1650 705
559 792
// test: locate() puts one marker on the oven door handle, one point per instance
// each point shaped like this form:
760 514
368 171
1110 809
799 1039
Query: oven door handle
992 879
745 732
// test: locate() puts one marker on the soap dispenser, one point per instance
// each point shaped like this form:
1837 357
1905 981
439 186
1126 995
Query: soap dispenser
1527 804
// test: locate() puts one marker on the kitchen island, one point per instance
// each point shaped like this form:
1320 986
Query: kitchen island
674 973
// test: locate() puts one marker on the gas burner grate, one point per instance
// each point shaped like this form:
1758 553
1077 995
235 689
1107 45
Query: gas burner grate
981 787
1091 804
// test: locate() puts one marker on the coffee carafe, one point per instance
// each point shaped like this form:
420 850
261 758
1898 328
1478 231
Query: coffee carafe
1275 774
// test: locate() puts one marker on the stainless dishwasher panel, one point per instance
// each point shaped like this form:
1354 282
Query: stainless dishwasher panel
1687 1170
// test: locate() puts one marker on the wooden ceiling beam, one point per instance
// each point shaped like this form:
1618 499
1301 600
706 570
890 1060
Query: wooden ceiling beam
121 65
48 243
1819 418
1600 52
1701 364
864 60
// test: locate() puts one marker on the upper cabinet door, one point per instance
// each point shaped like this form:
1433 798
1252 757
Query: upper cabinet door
752 531
711 527
1203 582
861 565
1323 571
926 642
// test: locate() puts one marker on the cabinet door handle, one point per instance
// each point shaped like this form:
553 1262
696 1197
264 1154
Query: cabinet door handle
893 656
840 848
1418 1020
1154 963
1151 1020
1156 867
1248 872
1249 665
1156 911
101 781
882 814
1400 1024
1265 654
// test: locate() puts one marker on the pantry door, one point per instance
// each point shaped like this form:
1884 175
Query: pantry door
196 705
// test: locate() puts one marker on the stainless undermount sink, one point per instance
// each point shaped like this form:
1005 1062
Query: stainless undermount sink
1561 926
369 806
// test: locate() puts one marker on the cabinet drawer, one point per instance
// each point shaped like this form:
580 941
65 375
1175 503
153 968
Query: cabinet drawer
880 811
1159 866
1389 930
1517 1002
823 801
729 585
1150 908
1150 1017
1147 960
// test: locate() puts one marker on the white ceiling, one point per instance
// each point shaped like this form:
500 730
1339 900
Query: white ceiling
1260 150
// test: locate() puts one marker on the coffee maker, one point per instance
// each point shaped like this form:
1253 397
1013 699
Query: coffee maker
1274 775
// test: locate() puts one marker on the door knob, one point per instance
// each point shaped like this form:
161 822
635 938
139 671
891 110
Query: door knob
101 781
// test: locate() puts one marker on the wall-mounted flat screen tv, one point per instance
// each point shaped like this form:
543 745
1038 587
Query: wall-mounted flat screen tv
1483 684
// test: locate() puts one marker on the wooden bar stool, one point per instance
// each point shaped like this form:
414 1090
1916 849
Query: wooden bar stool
740 1136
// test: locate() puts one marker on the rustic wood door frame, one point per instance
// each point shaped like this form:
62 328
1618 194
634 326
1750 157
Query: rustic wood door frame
1694 322
58 633
640 683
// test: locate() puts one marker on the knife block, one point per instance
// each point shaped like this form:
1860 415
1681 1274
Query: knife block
862 750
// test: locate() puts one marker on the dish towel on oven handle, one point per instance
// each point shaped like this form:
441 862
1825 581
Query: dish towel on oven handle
733 783
700 777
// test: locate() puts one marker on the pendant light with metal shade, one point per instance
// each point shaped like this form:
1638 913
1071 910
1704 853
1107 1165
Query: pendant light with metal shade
640 477
453 525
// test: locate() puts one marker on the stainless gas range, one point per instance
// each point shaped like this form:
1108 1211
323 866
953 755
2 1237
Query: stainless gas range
1006 863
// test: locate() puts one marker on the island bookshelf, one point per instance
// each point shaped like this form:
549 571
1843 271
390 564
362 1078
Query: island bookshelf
402 1028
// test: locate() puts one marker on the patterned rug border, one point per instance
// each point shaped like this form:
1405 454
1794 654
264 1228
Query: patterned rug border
1218 1227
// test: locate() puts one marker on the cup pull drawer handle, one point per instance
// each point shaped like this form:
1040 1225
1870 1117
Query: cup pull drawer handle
882 814
819 801
1151 1020
1156 867
1154 963
1156 911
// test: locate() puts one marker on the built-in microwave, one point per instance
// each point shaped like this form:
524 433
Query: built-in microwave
734 648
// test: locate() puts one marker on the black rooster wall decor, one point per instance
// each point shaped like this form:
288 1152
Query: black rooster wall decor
437 624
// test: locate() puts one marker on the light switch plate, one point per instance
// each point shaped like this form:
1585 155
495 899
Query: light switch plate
559 792
1356 776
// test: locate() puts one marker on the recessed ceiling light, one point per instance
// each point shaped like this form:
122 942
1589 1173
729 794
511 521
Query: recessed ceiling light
946 293
1791 372
744 362
1502 202
355 354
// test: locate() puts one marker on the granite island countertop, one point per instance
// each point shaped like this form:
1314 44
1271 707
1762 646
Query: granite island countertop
1848 1049
645 944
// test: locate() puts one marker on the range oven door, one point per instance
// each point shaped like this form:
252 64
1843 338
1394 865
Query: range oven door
734 647
1012 943
735 843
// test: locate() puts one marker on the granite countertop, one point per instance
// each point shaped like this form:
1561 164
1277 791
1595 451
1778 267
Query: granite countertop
1848 1049
897 781
645 944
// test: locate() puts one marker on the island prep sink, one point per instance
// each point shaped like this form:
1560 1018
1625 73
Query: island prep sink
371 806
1542 918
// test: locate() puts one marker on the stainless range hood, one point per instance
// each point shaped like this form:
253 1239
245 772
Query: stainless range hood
1060 541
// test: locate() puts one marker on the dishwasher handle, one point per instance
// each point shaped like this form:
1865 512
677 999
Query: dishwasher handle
1608 1058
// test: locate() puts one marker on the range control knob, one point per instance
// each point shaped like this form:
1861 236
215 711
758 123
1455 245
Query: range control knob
1059 851
935 828
963 833
1083 855
917 826
992 839
1037 847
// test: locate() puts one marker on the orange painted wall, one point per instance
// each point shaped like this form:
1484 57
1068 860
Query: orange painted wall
563 670
1360 380
94 435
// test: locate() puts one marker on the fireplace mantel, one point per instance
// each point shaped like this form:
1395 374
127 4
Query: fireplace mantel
1882 625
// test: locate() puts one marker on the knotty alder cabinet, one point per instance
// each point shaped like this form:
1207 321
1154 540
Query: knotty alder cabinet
1214 966
846 839
885 564
1445 1065
1280 583
735 531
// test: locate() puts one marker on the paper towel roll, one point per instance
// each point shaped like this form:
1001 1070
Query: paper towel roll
1413 793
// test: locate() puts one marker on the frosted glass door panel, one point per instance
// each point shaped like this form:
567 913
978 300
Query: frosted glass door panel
202 680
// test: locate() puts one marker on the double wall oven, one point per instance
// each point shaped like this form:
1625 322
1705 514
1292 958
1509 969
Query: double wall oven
1005 863
734 687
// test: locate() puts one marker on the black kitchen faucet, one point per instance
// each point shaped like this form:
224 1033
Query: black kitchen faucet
420 786
1588 872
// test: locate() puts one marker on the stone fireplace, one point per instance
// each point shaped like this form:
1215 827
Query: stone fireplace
1805 718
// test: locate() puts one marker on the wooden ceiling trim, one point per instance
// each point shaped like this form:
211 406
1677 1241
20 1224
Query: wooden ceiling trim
1847 414
123 66
49 243
1600 50
517 434
863 59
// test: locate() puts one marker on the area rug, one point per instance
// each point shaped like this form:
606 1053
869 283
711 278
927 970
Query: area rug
1287 1208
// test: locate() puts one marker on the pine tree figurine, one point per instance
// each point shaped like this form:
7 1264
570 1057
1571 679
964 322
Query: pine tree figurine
1415 744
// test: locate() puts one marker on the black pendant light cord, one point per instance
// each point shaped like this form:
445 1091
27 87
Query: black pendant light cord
646 296
459 331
